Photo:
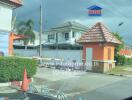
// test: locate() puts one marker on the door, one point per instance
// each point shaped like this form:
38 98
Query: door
89 56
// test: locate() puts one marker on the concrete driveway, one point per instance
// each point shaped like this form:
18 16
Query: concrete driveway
91 86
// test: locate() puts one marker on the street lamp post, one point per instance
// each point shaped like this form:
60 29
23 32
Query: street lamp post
41 30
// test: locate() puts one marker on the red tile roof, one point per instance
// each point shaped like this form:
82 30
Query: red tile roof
125 52
98 33
16 3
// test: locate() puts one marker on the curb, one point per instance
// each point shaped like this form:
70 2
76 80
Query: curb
121 75
5 84
14 83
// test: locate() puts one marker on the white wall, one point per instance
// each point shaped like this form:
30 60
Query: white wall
67 55
5 27
5 17
4 42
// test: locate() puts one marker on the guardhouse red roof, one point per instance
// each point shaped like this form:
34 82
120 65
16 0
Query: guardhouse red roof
98 33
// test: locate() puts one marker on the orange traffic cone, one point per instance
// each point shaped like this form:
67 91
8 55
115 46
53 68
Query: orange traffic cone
25 82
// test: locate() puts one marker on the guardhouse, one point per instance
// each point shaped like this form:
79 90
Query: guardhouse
94 10
98 48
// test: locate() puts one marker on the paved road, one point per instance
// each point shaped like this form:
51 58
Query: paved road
114 91
92 86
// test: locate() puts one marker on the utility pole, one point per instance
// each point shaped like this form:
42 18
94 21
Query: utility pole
41 30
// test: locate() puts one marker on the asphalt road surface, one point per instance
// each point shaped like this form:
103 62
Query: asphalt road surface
85 86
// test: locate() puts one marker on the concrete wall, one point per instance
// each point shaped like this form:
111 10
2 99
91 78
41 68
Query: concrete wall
5 27
4 42
67 55
102 66
5 17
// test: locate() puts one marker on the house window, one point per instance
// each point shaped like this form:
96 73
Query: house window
109 53
52 36
66 36
73 34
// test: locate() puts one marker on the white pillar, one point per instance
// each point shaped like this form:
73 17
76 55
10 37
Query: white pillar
70 36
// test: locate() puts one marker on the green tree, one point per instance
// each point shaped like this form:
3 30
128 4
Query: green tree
120 60
26 28
120 38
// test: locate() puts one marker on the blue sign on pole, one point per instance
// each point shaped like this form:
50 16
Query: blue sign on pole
94 10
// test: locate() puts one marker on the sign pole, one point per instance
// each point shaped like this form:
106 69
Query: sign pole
41 30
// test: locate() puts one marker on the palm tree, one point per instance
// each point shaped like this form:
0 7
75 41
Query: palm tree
26 28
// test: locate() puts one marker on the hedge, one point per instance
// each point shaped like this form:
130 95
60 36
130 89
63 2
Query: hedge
129 61
11 68
122 60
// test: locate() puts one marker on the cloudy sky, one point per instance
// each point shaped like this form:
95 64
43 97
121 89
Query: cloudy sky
56 12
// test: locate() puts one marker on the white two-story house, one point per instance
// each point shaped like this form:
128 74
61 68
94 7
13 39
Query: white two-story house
65 34
6 9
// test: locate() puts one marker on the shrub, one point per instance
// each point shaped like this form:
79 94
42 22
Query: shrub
120 60
11 68
129 61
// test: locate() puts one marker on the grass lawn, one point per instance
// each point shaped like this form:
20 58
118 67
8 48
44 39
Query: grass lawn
121 70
